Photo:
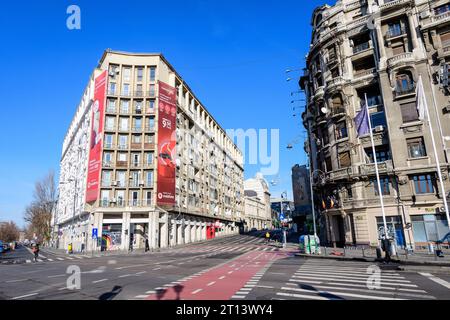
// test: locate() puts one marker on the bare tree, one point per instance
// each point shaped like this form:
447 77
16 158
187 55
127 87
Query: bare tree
9 232
39 212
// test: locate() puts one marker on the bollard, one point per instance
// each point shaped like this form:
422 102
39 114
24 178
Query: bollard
325 251
363 254
344 251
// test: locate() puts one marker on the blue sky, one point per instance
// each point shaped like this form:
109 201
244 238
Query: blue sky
232 53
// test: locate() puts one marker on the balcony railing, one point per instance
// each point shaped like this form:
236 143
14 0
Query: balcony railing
136 129
111 203
403 57
109 145
383 167
121 164
149 128
335 111
107 164
122 146
365 72
343 173
129 93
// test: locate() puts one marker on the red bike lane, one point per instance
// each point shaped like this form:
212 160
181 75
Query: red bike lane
221 282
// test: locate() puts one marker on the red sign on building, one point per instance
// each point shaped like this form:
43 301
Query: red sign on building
167 112
94 166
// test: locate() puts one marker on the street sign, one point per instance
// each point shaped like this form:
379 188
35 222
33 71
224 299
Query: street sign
94 233
282 217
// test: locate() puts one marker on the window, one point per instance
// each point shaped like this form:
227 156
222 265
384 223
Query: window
382 153
138 124
149 178
120 178
106 178
152 73
151 106
404 84
123 141
112 88
108 140
135 159
139 91
134 198
149 158
344 159
134 179
416 147
140 73
122 157
126 89
105 198
107 159
152 90
126 74
111 105
409 112
124 124
148 198
445 39
384 182
150 123
395 29
120 197
109 123
136 138
423 184
149 138
341 130
125 106
429 227
442 9
378 119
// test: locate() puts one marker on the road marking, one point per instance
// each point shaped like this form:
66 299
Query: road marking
141 272
211 283
267 287
49 259
230 272
156 268
151 292
24 296
39 260
60 259
365 286
28 261
70 258
330 278
12 281
341 294
442 282
196 291
349 276
241 292
237 297
57 275
222 277
300 296
142 296
246 289
124 275
97 281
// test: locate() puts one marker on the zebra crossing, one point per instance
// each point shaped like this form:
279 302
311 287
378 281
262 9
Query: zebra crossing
56 258
316 280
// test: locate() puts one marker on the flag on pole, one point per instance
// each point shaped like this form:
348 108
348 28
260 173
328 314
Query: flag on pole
362 122
421 101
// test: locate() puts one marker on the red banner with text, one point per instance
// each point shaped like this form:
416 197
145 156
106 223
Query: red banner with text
167 107
95 150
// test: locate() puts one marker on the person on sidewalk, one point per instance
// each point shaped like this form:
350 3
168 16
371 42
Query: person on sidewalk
35 249
147 246
131 242
267 237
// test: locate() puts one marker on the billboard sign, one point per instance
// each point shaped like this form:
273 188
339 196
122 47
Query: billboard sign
95 147
167 116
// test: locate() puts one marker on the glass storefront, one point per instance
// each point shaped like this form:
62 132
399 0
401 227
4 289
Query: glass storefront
111 236
429 227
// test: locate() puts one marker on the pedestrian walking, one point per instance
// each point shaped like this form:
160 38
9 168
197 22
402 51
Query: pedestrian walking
267 237
147 246
35 250
131 242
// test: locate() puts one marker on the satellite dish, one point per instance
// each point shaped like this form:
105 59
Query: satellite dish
324 110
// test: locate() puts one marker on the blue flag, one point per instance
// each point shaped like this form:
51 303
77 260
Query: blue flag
362 122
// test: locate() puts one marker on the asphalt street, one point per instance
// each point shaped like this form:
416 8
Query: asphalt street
240 267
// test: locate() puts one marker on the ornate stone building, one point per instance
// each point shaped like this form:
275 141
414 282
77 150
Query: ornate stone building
378 49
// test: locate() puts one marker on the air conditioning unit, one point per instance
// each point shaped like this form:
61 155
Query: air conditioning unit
139 109
112 73
141 183
379 129
114 183
113 200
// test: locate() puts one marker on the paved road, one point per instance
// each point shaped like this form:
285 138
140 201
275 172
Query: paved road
237 268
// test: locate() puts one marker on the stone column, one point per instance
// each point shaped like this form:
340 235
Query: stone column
380 42
412 28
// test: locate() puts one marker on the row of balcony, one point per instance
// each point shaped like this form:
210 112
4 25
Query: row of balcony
128 146
150 111
125 164
129 94
384 167
120 203
134 129
129 184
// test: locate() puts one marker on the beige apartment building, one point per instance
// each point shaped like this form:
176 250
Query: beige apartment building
205 165
379 49
257 203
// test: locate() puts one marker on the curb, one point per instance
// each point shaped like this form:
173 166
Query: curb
400 262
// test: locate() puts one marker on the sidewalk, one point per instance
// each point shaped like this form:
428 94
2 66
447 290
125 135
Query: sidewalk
418 258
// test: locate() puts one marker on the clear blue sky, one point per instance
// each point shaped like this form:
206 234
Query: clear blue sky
233 54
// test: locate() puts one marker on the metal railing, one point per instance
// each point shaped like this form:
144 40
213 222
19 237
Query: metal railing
395 32
404 90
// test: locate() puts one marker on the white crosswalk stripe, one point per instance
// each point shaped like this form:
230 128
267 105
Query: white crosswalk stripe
341 281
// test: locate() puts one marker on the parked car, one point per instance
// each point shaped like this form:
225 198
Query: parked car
253 230
1 246
6 247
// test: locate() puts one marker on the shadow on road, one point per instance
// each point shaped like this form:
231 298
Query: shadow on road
112 294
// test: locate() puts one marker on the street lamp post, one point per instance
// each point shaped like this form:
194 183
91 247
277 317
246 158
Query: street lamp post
281 214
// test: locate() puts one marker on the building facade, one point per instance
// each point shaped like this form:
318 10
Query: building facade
143 160
257 203
378 49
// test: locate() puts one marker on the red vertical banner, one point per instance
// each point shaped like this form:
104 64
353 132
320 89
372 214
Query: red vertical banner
94 166
167 116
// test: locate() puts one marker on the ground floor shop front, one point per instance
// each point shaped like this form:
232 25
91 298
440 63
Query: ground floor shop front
110 231
413 227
